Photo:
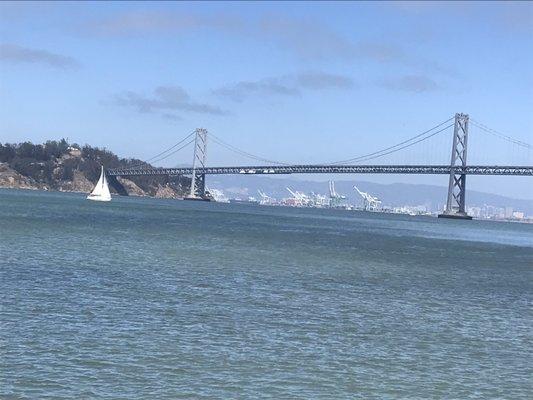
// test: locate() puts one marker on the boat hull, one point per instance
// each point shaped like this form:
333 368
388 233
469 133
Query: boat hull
94 198
455 216
197 198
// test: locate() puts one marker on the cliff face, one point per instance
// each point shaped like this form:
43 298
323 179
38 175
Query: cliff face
69 168
79 183
131 187
9 178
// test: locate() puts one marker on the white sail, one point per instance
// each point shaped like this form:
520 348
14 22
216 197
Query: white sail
101 190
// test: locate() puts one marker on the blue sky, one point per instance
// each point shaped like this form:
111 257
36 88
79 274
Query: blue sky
297 82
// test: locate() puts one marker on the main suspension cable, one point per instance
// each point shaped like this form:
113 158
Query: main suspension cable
395 148
494 132
175 151
234 149
172 147
151 159
407 145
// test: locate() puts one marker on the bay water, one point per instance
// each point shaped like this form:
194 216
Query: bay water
164 299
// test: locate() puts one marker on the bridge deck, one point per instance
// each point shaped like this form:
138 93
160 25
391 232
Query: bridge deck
330 169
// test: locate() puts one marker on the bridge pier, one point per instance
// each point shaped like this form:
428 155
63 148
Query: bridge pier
455 204
199 188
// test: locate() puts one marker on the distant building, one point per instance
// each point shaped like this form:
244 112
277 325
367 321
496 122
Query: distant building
475 212
74 151
518 215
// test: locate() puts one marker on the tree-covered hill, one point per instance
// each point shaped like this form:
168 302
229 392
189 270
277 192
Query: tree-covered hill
60 165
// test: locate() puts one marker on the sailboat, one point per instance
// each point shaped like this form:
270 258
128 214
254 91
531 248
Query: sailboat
101 190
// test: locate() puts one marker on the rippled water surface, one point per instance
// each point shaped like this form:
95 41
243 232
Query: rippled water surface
161 299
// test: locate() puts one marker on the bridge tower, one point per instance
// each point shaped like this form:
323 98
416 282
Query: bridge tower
197 191
455 204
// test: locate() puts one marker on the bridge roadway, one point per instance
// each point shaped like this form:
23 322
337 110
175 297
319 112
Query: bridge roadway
329 169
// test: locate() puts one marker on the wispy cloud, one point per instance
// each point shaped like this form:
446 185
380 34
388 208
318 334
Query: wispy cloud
518 16
240 90
311 40
17 54
171 117
306 39
513 16
287 85
410 83
146 22
166 98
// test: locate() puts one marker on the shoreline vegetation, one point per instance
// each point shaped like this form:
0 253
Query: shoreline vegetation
68 167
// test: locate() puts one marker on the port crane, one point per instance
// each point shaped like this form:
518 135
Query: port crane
265 198
370 203
300 199
335 199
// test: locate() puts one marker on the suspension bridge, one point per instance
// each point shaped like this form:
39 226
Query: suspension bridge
457 169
